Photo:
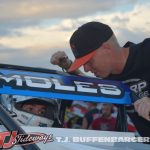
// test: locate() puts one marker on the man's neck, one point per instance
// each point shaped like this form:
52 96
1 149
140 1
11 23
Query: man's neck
106 116
121 60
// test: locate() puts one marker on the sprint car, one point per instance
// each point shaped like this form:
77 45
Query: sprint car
45 83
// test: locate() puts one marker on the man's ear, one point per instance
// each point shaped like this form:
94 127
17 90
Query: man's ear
107 47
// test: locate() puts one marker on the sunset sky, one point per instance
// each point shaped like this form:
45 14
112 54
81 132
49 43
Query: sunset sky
32 30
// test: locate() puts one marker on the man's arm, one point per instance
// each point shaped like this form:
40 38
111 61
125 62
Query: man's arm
84 123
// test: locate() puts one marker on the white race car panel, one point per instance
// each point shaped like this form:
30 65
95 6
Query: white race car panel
70 133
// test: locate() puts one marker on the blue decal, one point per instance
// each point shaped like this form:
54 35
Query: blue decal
103 87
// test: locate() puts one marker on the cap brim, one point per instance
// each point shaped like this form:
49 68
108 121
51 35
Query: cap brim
81 61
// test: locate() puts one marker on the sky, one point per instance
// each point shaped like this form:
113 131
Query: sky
32 30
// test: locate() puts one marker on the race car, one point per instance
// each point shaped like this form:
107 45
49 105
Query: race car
54 88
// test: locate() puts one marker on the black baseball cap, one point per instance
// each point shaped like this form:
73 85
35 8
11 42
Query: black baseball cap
85 40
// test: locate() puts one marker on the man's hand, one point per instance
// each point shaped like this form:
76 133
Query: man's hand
142 106
61 59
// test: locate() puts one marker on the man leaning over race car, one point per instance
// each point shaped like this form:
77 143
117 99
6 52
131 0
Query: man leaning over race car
95 46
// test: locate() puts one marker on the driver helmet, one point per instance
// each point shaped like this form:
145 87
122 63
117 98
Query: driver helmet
32 111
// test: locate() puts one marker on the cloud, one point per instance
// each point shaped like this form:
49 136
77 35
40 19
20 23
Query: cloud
37 9
26 57
20 13
37 37
32 37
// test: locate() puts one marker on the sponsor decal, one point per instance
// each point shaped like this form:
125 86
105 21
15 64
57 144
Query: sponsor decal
63 86
25 82
138 86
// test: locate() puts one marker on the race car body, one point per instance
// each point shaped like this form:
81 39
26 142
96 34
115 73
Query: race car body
45 83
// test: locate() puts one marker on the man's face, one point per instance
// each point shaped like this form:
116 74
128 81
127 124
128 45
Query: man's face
100 64
106 109
36 109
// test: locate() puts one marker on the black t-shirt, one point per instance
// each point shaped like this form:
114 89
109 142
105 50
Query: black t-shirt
91 115
136 75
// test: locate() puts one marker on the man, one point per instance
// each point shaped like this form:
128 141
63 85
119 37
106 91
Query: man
32 111
105 121
95 46
91 115
37 109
